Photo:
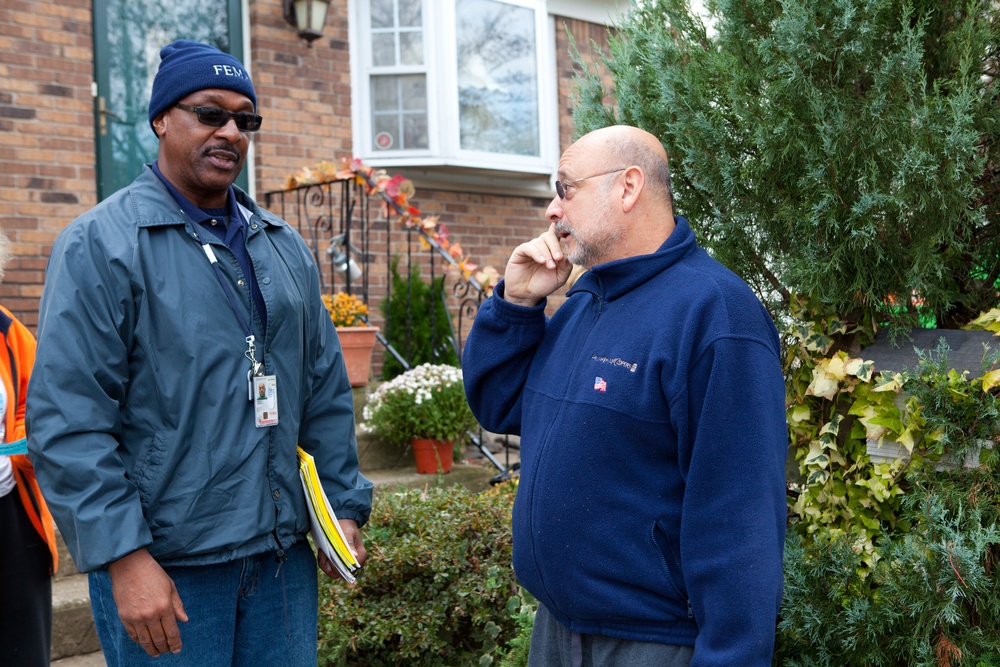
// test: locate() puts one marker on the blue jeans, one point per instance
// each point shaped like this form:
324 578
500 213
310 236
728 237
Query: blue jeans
241 613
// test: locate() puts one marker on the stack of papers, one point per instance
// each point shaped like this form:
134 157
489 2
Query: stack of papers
326 532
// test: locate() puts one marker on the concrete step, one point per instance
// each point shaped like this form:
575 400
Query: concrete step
73 631
95 659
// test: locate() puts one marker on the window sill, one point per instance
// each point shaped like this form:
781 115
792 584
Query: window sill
469 178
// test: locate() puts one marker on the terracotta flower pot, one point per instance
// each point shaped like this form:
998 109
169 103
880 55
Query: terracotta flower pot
357 344
429 455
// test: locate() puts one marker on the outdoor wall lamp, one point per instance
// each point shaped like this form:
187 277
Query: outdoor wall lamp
308 17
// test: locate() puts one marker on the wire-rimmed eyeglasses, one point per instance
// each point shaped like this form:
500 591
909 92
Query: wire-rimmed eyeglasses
216 117
562 186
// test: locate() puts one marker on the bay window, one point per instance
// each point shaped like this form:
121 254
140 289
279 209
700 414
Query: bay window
465 83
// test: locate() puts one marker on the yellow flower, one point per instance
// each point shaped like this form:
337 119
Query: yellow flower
346 310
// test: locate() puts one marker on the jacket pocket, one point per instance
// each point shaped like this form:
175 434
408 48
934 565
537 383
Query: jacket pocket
145 467
671 559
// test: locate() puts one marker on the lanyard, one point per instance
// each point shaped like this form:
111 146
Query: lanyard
255 366
19 447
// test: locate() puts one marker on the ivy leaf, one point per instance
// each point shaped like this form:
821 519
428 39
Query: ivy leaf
818 343
836 327
888 381
799 413
891 421
991 379
832 427
860 369
907 440
816 456
822 384
816 477
834 366
989 321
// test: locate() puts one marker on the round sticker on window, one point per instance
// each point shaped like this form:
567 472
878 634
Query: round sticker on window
383 140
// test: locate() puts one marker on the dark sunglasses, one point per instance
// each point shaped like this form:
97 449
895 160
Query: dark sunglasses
215 117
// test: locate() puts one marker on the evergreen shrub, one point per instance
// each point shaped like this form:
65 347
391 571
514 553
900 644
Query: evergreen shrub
438 589
417 322
932 595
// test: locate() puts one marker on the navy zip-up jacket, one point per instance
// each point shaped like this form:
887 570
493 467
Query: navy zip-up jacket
651 410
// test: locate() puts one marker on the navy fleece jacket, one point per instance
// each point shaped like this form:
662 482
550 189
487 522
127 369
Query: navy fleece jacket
651 410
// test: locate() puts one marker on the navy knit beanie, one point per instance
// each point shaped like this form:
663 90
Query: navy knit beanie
187 67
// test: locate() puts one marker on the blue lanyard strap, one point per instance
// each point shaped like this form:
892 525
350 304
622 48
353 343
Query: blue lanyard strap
19 447
225 287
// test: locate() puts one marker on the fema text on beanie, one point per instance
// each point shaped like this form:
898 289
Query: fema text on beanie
187 67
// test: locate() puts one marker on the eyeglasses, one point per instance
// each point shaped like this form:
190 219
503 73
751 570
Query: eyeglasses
215 117
562 186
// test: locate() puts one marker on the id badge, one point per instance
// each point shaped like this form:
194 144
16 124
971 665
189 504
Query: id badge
265 404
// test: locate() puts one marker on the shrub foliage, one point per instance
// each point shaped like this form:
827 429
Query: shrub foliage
417 322
896 564
844 149
438 587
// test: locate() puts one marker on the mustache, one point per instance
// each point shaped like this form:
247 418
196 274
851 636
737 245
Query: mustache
563 228
225 148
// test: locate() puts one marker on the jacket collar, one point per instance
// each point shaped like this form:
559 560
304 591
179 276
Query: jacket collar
614 279
156 207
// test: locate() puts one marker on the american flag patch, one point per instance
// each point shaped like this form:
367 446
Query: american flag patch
600 384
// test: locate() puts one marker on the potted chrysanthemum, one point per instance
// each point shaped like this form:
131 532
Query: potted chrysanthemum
357 338
425 408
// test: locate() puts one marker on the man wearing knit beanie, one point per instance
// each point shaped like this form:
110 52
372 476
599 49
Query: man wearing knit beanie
173 487
187 67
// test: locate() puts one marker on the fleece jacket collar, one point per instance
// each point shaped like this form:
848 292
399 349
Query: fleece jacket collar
612 280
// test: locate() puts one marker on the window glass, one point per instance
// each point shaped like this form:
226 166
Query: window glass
129 36
399 112
497 77
410 13
382 13
398 94
383 50
396 33
411 48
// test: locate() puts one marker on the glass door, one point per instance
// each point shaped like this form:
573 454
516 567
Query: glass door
128 36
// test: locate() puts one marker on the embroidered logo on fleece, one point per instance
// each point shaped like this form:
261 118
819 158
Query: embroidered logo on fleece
630 365
600 384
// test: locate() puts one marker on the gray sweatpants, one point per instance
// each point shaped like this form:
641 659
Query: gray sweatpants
553 645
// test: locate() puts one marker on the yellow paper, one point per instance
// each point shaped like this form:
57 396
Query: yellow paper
325 528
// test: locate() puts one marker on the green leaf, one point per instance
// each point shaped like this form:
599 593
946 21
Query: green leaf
888 381
799 413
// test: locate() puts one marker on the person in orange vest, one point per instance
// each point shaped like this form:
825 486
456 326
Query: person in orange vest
28 557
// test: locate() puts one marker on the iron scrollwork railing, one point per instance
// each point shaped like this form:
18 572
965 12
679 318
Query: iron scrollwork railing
334 218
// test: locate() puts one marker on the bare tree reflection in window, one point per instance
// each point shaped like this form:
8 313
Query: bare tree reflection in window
497 77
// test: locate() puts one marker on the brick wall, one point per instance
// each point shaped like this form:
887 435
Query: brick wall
46 136
585 35
304 93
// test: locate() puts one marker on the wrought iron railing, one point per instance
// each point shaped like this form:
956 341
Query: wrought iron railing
355 254
334 218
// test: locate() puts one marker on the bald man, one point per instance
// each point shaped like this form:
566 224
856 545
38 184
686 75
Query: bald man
650 514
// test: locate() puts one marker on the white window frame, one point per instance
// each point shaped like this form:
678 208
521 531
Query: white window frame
442 95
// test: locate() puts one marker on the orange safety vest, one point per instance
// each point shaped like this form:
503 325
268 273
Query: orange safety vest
17 355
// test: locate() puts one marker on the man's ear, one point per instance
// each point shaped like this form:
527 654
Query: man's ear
634 181
159 125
